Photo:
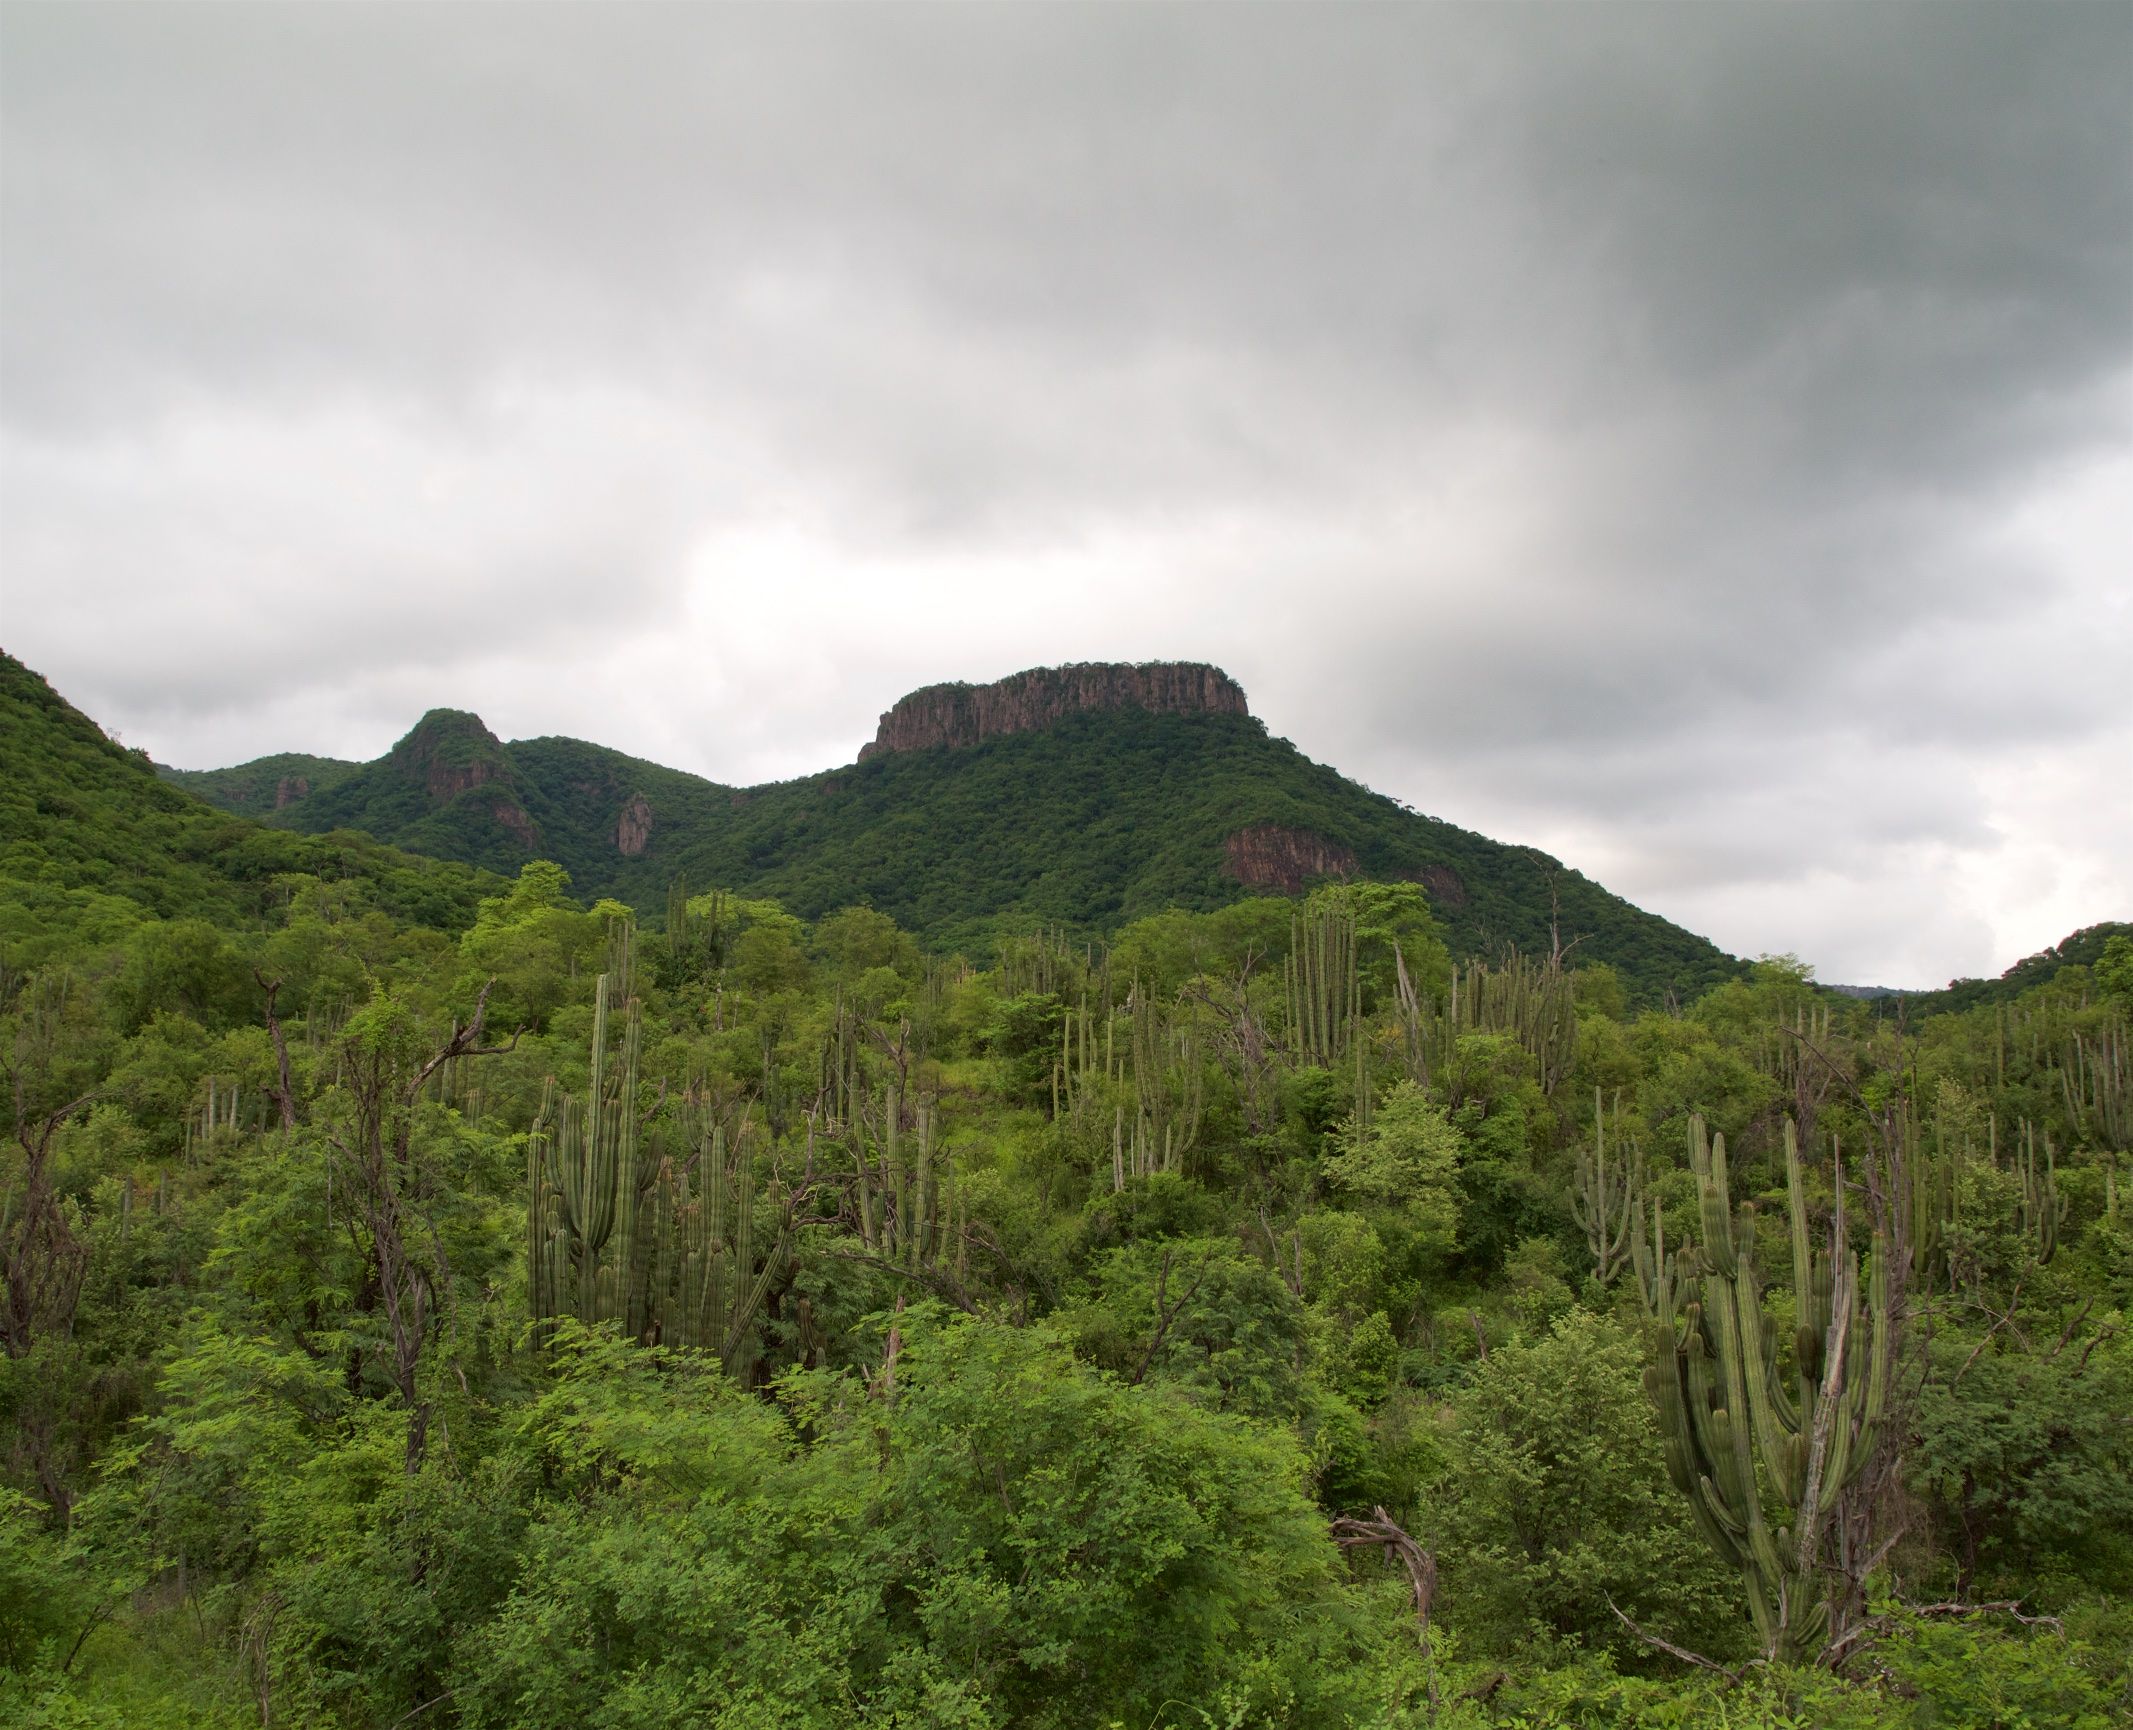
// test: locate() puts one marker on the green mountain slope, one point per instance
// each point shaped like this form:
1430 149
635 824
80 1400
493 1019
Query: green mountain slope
1086 821
2083 948
85 823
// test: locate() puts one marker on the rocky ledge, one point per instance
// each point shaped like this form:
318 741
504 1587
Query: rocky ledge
1026 702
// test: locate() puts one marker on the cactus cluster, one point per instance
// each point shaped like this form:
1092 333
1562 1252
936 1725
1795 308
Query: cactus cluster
696 939
1931 1204
1529 1000
1323 988
1043 962
1169 1083
1145 1069
618 1230
910 1208
1739 1443
2042 1210
1607 1199
1786 1047
2096 1078
1084 1059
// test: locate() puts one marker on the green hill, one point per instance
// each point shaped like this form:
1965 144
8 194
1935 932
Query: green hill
1085 817
89 830
2083 948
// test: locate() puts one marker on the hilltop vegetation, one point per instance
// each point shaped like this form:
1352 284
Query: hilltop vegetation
521 1316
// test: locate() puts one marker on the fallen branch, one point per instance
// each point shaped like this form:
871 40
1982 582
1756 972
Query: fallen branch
1672 1650
1381 1532
1876 1627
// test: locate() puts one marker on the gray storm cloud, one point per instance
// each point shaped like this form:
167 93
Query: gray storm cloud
1698 442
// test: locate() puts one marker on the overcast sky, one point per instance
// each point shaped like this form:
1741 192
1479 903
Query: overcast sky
1694 440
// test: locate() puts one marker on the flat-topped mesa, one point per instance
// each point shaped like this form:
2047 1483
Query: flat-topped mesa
1025 702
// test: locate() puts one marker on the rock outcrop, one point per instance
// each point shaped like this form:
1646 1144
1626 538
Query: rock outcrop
1442 884
514 817
966 714
633 829
1271 856
448 752
289 789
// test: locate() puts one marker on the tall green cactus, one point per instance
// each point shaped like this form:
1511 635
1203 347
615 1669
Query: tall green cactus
1531 1001
909 1205
1528 999
616 1232
718 1285
2043 1209
1169 1084
584 1169
1738 1444
1608 1197
1324 989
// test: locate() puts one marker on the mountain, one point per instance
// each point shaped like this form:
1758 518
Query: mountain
1082 796
85 822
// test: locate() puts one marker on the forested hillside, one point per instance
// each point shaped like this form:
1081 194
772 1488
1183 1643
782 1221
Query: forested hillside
2083 948
86 824
1082 823
443 1299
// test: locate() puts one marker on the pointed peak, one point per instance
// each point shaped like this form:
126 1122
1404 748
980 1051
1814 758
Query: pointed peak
441 725
450 750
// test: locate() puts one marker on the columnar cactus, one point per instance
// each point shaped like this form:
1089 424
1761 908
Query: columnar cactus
1931 1178
1323 987
1607 1199
1169 1083
2043 1208
583 1169
719 1285
617 1233
910 1210
1738 1443
1530 1000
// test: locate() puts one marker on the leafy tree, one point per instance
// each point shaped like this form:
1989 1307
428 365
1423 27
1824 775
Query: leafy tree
1559 1509
1407 1157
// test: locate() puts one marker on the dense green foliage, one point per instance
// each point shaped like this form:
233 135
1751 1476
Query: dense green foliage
1110 1300
1101 819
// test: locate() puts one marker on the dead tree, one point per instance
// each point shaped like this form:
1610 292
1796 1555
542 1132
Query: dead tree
384 1074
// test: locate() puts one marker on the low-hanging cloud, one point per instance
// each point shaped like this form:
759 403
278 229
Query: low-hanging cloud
1697 442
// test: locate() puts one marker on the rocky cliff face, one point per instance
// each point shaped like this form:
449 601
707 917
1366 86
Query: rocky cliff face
633 829
1026 702
1272 856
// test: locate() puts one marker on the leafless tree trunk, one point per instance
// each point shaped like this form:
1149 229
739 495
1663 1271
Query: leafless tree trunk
284 1094
377 1147
40 1257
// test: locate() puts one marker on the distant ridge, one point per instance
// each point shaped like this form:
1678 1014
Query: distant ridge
1076 797
960 714
2082 948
